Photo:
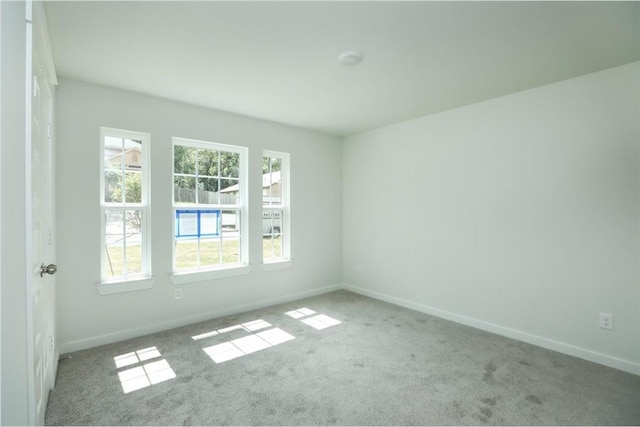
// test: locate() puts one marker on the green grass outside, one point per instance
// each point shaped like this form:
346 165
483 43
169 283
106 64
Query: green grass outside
186 254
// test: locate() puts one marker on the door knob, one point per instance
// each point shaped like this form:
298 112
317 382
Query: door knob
49 269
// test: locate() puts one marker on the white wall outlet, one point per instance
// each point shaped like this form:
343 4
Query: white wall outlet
358 269
606 321
177 292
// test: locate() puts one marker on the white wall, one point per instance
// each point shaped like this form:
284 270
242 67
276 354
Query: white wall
13 226
518 215
86 318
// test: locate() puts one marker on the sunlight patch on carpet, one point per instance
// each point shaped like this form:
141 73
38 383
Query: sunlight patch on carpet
142 376
230 350
300 312
136 357
321 321
252 326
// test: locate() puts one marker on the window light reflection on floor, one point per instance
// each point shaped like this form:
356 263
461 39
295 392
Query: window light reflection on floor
321 321
136 357
246 345
300 312
139 377
146 375
254 325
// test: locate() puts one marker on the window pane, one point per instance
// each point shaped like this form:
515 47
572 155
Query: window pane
133 187
272 221
208 191
271 181
184 189
124 250
114 259
274 191
113 186
229 164
210 223
184 160
207 162
113 162
230 251
231 223
209 252
186 223
276 164
132 154
186 254
276 217
272 228
114 243
277 246
267 248
209 177
132 144
113 143
230 191
134 258
113 158
272 247
133 229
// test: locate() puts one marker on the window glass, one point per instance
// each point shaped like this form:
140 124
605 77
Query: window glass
207 201
275 207
124 205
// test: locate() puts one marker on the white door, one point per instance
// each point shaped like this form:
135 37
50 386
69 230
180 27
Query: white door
42 331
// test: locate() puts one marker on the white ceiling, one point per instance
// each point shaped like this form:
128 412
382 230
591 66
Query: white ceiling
278 60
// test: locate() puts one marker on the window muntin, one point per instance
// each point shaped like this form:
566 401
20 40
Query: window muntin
275 207
124 205
208 186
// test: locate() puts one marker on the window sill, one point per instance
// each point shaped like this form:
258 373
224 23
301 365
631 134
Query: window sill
277 265
130 285
201 276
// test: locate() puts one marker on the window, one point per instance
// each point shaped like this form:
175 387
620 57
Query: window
124 203
209 208
275 207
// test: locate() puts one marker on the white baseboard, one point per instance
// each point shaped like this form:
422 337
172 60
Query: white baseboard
582 353
176 323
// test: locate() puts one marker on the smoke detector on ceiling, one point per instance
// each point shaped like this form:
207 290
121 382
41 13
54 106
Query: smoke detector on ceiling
350 57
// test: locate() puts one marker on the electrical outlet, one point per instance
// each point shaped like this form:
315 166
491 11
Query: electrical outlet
606 321
51 346
177 292
358 269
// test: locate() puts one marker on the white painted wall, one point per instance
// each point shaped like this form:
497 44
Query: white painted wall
14 390
86 318
518 215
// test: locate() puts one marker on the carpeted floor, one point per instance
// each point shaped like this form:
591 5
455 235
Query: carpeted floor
380 365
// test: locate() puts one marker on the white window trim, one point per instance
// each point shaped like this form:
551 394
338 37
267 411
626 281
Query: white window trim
183 278
142 280
131 285
286 260
279 264
222 271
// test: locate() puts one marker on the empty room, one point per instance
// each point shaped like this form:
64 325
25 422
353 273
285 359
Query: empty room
320 213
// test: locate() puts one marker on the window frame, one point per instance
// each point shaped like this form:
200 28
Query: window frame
180 277
285 205
143 279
